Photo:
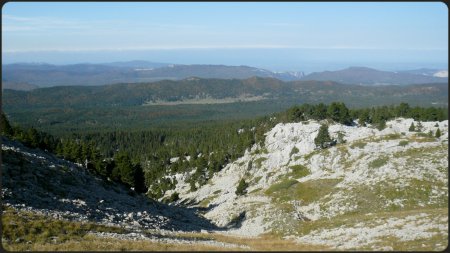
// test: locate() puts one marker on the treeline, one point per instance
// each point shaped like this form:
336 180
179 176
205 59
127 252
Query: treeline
146 159
119 168
376 116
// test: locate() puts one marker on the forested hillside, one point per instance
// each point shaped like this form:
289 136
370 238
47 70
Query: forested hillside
143 105
143 159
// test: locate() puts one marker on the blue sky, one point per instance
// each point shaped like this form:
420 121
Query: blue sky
278 36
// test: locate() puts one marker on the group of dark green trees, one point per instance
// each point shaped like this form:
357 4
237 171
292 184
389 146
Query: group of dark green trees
143 159
120 168
376 116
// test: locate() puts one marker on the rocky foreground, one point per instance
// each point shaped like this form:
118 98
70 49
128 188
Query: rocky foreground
39 182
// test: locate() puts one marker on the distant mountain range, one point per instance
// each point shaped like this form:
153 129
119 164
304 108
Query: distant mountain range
46 75
368 76
27 76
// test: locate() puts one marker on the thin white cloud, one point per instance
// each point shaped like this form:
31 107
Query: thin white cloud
137 48
15 18
206 47
16 23
15 28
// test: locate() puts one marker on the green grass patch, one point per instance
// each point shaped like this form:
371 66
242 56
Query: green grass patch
403 143
423 137
378 162
283 185
423 152
391 137
259 161
358 144
205 202
299 171
260 151
308 191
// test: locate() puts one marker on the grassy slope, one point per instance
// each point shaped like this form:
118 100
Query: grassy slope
369 199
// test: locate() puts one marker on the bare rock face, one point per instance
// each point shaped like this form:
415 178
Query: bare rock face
369 173
38 181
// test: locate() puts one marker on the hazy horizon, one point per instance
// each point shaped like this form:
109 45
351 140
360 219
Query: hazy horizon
276 36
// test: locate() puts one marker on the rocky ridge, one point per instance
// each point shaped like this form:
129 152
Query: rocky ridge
292 185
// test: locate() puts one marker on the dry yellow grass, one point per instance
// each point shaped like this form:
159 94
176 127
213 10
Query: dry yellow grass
91 243
266 242
36 233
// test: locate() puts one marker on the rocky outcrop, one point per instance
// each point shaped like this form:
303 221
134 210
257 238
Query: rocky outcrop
369 172
38 181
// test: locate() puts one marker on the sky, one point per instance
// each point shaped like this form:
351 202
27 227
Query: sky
296 36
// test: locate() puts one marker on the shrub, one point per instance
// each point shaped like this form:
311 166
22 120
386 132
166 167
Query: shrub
241 188
294 151
174 197
403 143
259 161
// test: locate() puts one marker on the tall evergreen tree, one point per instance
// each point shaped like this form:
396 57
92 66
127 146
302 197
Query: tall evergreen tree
6 128
338 112
125 168
438 133
323 139
402 110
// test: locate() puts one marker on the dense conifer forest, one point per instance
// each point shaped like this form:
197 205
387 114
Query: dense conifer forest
143 159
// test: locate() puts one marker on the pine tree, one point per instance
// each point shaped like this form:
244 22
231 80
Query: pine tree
323 139
402 110
364 118
381 124
339 112
125 168
412 128
438 133
320 112
6 129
